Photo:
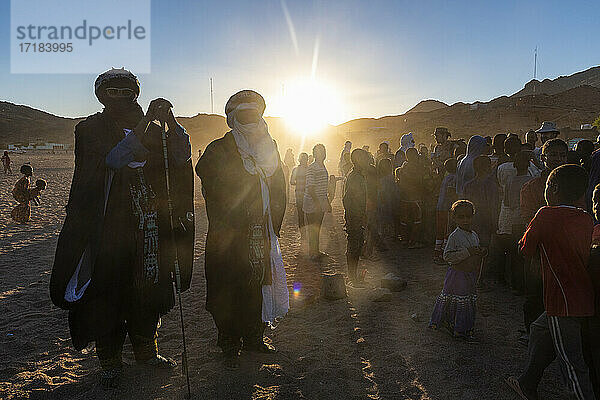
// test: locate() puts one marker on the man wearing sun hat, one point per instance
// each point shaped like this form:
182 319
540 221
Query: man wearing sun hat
547 131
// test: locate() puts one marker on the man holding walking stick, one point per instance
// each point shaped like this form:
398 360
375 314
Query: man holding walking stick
129 225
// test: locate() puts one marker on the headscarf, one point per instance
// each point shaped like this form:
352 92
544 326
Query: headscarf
260 157
465 172
407 141
125 112
254 143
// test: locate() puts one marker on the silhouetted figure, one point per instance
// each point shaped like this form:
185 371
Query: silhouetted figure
584 149
498 156
355 211
406 142
410 177
115 255
298 182
446 198
444 149
383 152
245 193
316 203
6 161
344 157
483 192
387 198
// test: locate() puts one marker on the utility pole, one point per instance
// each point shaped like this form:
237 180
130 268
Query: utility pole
212 102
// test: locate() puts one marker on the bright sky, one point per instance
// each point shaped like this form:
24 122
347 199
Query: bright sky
341 58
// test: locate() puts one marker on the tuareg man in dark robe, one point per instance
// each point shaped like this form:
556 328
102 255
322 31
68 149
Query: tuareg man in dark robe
245 191
114 263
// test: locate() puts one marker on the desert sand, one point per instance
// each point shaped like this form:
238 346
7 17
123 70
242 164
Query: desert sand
352 348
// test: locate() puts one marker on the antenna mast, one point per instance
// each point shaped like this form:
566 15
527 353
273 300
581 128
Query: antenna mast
212 102
535 63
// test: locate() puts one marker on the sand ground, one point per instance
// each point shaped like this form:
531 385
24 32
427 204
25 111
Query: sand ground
353 348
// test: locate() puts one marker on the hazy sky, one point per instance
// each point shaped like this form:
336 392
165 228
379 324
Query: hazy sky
381 57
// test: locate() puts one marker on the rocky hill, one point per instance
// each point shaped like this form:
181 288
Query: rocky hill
427 106
22 124
504 114
589 77
570 101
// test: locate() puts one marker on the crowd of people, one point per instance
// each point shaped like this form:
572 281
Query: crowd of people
495 211
498 211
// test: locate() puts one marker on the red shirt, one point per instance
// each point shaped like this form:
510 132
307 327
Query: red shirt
563 235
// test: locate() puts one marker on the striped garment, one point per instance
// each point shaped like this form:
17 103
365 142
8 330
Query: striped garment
317 177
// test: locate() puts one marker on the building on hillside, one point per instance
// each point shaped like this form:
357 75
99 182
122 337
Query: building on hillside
38 146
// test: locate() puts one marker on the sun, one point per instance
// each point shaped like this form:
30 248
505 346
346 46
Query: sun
309 106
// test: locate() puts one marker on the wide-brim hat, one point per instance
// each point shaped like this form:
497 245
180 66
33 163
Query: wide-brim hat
547 127
440 130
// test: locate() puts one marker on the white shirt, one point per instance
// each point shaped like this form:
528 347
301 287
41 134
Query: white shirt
459 241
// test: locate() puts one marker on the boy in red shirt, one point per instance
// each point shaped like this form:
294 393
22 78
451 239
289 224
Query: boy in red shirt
563 235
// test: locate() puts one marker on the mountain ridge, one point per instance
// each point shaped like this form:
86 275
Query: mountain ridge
567 100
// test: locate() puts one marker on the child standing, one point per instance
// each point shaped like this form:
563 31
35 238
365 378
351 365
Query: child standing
454 308
355 210
563 234
6 163
445 200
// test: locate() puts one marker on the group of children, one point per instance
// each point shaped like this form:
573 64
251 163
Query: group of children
533 214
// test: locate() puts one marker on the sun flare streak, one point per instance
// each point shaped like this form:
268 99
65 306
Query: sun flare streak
290 24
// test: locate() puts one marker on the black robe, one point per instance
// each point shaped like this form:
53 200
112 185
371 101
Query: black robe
109 233
232 196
